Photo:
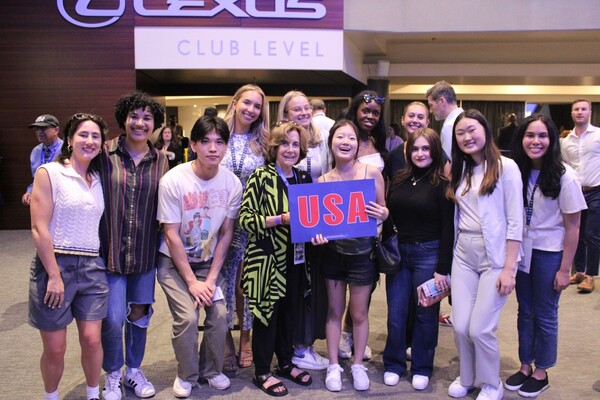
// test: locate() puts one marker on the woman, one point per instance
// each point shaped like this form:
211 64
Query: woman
424 219
66 206
294 106
170 145
349 260
489 226
553 203
366 112
247 117
311 317
271 278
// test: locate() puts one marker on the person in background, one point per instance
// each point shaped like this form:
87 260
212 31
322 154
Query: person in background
319 115
441 98
394 139
273 266
295 107
129 236
488 225
423 216
190 260
581 149
174 125
553 202
506 135
46 128
366 113
170 145
68 277
350 265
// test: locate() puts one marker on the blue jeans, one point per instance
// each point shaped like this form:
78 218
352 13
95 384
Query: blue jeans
419 261
587 257
125 290
537 321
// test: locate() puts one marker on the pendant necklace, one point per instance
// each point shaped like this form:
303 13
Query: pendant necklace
414 181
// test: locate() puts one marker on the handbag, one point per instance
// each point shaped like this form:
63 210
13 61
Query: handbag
386 249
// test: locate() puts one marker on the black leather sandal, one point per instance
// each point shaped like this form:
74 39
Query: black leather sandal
286 372
259 381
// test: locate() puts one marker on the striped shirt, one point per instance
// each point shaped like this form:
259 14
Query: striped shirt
129 231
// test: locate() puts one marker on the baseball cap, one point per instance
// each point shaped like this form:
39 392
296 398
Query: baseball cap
44 121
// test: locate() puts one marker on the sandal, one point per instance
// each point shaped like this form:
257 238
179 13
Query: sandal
245 358
286 372
260 380
229 363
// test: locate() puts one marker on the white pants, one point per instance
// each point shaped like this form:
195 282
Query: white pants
476 307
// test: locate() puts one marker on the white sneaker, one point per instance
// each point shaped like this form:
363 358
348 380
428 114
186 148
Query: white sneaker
368 353
112 386
420 382
488 392
219 382
360 377
181 389
391 378
135 379
345 348
310 360
457 390
333 381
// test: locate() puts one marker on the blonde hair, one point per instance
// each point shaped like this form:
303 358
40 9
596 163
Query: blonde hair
259 130
313 132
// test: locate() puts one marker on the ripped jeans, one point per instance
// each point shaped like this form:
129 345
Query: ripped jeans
125 290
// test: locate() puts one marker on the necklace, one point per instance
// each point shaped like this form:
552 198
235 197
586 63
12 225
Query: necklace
414 181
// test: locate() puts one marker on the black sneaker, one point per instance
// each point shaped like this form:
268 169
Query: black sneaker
515 381
533 387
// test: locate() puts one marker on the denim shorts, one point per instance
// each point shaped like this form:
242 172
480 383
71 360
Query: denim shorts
355 270
86 292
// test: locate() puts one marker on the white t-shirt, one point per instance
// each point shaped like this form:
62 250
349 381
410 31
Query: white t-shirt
547 229
199 206
469 203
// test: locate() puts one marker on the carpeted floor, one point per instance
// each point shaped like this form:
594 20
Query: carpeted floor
576 376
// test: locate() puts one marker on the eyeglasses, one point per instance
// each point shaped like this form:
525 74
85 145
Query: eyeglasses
369 98
286 121
299 109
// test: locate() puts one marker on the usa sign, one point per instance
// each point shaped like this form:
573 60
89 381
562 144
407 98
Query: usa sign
334 209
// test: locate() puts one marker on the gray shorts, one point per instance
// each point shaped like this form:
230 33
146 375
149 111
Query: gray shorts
86 292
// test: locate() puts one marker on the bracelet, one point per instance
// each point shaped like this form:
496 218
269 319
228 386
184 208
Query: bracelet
278 220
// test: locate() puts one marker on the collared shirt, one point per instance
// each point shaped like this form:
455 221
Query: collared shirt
446 131
41 155
129 231
582 153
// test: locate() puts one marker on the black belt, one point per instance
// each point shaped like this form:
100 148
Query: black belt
590 188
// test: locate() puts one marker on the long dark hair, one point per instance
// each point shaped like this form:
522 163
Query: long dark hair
435 170
337 125
68 133
379 132
175 141
491 158
552 166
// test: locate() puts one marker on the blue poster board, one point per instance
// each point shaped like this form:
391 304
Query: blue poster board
334 209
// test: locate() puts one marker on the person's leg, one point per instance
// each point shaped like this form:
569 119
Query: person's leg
91 350
592 232
525 318
397 289
112 325
336 294
579 262
140 297
185 319
52 361
359 308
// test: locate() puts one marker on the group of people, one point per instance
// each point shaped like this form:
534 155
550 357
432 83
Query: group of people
215 233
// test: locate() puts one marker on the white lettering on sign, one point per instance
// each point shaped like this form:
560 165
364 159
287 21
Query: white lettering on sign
283 9
232 48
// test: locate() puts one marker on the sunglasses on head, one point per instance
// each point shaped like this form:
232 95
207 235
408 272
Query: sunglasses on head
286 121
370 97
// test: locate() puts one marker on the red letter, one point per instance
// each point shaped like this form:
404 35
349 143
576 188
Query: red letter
329 202
308 214
356 208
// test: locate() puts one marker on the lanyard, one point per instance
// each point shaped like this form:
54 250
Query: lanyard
283 178
237 169
529 208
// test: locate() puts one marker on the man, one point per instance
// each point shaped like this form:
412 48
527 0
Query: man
442 104
129 234
506 134
46 128
198 206
319 117
581 150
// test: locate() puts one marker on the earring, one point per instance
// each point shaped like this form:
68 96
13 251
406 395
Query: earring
100 151
70 148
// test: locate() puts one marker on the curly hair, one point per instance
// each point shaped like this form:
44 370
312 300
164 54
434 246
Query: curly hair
279 134
138 99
